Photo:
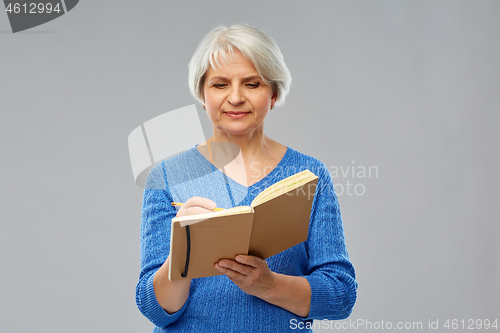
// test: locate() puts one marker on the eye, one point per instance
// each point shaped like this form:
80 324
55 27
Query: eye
253 85
220 85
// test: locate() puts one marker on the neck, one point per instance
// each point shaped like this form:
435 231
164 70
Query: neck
236 155
252 145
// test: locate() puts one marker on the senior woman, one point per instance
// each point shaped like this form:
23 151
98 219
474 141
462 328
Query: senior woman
238 74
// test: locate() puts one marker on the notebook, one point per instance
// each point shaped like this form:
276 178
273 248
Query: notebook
277 219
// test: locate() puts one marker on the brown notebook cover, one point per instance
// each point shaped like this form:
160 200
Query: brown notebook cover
272 227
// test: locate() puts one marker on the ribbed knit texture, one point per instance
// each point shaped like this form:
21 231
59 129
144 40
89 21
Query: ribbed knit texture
215 304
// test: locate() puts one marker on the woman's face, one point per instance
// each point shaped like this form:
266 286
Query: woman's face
236 99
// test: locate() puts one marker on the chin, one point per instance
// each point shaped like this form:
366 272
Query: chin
236 130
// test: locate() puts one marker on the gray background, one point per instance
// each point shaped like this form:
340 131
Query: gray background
411 87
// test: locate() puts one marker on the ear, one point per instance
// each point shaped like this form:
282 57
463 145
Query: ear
273 100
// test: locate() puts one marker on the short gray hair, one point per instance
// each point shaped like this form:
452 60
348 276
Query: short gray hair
254 44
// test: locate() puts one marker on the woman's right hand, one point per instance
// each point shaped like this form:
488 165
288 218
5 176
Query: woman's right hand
196 205
171 295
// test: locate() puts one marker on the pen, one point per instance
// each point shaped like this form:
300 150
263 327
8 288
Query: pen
178 204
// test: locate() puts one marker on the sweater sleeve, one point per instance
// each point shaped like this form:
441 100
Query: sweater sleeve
156 217
330 273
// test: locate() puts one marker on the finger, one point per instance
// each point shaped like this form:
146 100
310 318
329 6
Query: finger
237 267
193 211
200 202
232 275
196 205
250 260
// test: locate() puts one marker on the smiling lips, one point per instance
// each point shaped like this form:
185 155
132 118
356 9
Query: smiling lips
236 114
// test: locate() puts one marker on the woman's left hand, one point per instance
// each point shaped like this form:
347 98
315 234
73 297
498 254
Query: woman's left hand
250 273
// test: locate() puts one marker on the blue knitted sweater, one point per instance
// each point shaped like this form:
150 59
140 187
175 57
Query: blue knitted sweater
215 304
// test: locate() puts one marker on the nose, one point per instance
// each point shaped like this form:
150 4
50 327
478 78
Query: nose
236 96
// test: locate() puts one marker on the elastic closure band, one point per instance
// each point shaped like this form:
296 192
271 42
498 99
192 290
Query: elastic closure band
188 252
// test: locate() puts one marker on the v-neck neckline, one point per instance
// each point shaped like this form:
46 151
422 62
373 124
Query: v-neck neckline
274 171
